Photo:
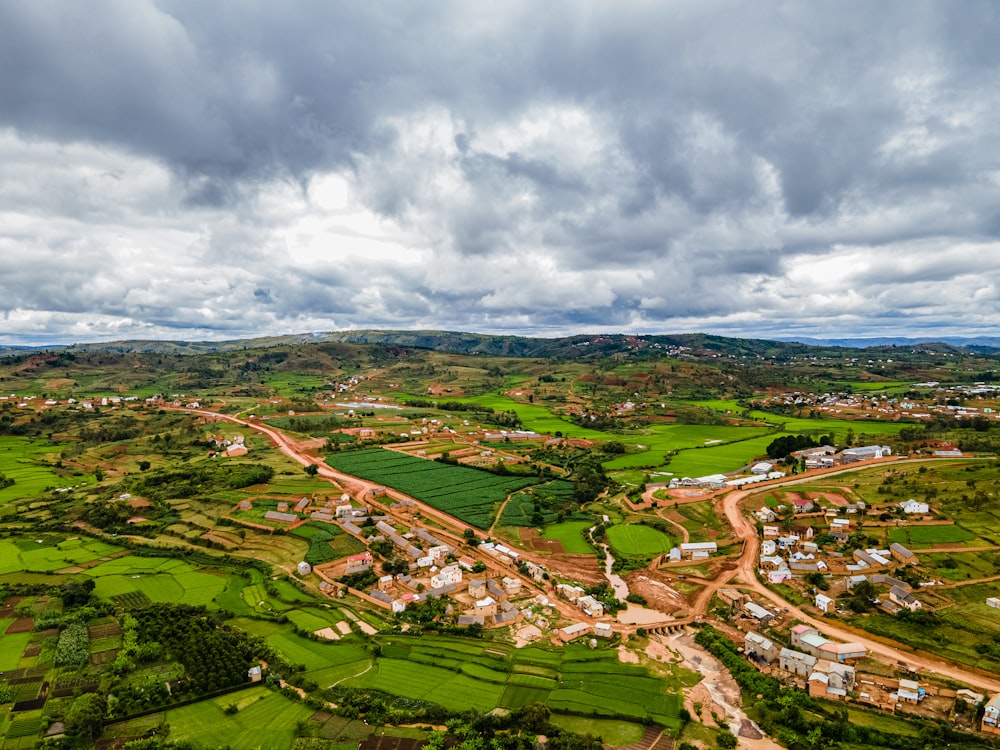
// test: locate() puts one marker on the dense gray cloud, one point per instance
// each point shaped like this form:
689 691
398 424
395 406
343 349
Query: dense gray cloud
212 170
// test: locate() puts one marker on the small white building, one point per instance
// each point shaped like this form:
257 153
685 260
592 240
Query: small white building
911 506
761 468
824 603
447 575
993 602
304 568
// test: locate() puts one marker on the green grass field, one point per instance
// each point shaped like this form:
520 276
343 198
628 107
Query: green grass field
265 720
570 534
633 539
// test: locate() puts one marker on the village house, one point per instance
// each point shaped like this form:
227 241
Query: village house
590 606
698 550
824 603
910 691
766 515
603 630
450 574
761 468
304 568
912 507
830 679
732 597
273 515
994 602
486 607
902 554
477 588
803 505
511 586
771 532
759 648
902 597
758 613
571 632
796 662
991 715
768 547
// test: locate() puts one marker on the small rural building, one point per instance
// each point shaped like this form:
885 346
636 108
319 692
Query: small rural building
991 715
803 505
576 630
796 662
304 568
910 691
911 507
768 547
590 606
302 504
450 574
824 603
766 515
761 468
254 674
603 630
904 598
511 586
865 453
273 515
902 554
282 507
771 532
477 588
698 550
993 602
757 612
759 648
732 597
467 620
831 680
486 607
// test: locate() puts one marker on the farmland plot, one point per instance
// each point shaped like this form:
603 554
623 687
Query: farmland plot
465 493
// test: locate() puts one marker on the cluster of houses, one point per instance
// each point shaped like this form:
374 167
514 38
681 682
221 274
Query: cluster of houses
578 596
886 407
229 447
826 667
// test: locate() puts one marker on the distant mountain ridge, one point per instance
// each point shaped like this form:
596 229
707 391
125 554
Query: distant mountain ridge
581 346
968 342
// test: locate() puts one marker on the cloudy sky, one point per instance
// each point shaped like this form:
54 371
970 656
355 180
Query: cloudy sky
183 169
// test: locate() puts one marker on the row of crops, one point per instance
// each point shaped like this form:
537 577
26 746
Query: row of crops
576 680
465 493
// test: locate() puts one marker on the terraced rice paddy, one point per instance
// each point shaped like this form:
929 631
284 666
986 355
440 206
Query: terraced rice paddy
462 675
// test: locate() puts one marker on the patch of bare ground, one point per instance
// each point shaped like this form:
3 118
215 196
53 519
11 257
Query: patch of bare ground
581 568
654 586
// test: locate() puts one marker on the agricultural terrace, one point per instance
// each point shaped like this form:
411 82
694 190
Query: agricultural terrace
264 719
462 674
634 540
468 494
48 554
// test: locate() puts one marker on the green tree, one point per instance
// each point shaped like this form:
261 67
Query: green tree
312 470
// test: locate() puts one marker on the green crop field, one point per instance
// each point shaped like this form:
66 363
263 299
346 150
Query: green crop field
25 461
11 648
633 539
570 535
548 495
465 493
265 720
924 536
158 579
